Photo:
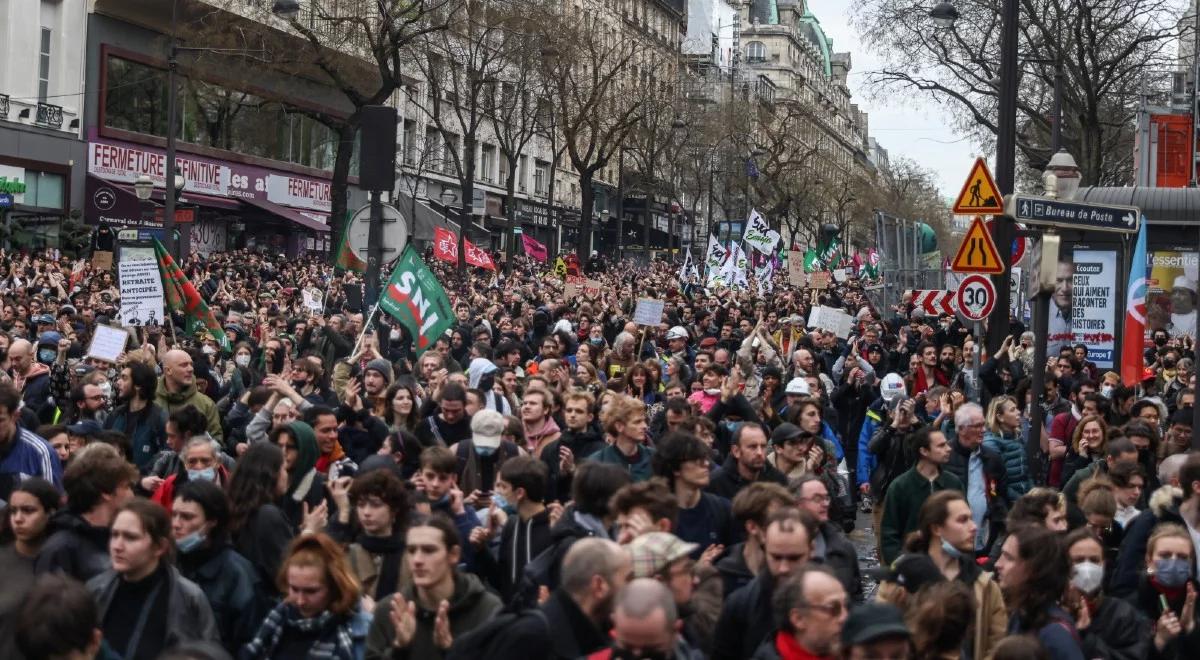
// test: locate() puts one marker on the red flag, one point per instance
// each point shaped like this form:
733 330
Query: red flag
445 247
533 248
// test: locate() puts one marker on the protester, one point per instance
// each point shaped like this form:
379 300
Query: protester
23 531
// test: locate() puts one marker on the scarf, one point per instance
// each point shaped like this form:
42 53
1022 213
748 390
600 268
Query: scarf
325 460
334 642
534 436
790 649
390 550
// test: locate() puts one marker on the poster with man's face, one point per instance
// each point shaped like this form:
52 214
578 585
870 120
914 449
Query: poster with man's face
1171 292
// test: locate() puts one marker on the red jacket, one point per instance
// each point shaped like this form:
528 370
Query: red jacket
165 495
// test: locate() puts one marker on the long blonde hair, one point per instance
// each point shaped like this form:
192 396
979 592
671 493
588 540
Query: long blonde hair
993 412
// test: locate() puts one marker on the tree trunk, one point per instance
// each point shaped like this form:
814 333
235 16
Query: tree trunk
583 247
510 212
339 186
467 183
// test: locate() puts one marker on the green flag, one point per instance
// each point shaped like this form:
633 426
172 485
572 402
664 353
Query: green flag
811 262
180 295
346 259
415 298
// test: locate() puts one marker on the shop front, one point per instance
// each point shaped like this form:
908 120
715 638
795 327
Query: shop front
223 205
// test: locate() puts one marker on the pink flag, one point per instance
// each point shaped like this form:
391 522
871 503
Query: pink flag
533 248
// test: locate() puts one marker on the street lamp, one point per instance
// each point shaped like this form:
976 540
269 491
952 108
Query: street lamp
944 14
143 187
1061 178
286 9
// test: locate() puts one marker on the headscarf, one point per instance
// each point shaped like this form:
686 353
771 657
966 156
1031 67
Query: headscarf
306 447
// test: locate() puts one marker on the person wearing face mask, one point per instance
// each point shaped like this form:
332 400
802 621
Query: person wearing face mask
946 532
1167 592
524 526
200 462
200 527
137 416
1109 627
481 458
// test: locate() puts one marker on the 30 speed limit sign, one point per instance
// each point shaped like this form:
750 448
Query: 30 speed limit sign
976 297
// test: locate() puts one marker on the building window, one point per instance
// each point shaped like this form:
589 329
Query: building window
44 66
539 179
487 160
43 190
756 51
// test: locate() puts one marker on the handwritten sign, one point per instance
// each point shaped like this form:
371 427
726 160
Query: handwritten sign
833 320
649 311
795 268
108 343
102 260
818 280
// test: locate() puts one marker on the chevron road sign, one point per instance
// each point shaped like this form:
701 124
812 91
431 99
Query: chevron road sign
934 301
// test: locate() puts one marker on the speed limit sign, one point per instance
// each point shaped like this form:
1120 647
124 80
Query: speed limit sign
976 297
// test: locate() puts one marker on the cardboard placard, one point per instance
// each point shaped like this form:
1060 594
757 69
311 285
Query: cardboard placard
102 260
795 268
831 319
314 301
108 343
649 311
819 280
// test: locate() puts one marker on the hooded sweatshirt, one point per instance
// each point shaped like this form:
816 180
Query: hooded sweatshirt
470 606
172 401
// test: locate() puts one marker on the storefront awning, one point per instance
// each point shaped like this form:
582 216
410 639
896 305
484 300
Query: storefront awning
199 200
287 214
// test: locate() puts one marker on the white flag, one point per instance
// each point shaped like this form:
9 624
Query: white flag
687 265
759 234
734 272
764 274
714 256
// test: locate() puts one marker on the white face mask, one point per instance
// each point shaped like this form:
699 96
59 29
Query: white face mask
208 350
1087 577
394 335
242 360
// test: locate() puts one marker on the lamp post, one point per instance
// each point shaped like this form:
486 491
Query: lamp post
945 14
285 9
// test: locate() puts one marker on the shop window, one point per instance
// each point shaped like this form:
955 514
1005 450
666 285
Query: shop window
43 189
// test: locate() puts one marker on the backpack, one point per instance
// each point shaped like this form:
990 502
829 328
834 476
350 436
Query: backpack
477 643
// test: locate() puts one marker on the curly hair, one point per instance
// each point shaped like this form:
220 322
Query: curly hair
941 618
1046 573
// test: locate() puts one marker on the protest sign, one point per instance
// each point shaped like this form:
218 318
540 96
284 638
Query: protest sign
314 301
649 311
141 292
108 343
831 319
795 261
818 280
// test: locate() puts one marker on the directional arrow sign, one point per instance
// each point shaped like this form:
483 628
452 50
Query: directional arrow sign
934 301
1073 215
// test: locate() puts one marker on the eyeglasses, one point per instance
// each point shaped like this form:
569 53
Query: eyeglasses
832 610
816 499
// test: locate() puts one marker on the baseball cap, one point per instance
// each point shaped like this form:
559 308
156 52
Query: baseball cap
911 571
677 332
892 388
486 427
871 621
655 551
797 386
875 348
49 338
85 427
785 432
708 342
44 319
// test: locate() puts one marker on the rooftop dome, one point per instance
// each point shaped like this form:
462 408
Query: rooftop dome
810 27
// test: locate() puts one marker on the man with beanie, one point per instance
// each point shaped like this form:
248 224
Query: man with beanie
875 630
480 458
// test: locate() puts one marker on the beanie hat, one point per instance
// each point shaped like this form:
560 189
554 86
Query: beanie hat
382 366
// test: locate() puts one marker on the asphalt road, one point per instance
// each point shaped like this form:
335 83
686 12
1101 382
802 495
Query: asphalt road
863 538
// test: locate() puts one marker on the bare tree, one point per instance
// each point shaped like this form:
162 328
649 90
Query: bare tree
595 96
1110 51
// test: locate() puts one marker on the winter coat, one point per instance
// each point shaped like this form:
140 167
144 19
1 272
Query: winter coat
232 588
995 487
1118 632
842 558
991 616
470 606
639 470
520 542
902 505
747 619
146 429
893 458
1016 463
727 481
75 548
172 401
1164 507
735 574
188 617
262 540
1059 637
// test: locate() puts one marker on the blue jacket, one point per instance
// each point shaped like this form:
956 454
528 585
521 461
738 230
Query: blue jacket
146 429
1016 463
829 434
866 460
30 456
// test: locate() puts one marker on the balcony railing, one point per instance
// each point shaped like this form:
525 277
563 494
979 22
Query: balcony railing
3 106
49 115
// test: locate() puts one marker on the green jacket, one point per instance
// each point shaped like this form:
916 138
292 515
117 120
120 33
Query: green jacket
902 505
172 401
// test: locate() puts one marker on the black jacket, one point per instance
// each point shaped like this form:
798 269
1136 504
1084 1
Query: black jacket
735 574
262 540
1118 632
746 620
892 460
520 542
842 558
232 588
726 481
1131 559
75 548
545 568
996 476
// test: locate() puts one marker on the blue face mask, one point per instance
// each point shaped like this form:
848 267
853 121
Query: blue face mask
190 542
1173 572
207 474
484 452
950 550
503 504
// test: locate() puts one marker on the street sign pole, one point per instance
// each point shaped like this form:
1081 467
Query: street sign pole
1041 328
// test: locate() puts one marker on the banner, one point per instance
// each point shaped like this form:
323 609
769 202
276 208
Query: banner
415 298
1132 360
687 268
759 234
714 256
765 274
445 248
346 258
533 248
141 292
1093 305
734 271
1171 290
181 296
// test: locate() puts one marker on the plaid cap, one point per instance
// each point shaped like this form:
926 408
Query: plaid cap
655 551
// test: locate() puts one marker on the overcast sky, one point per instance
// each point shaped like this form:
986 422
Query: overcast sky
915 129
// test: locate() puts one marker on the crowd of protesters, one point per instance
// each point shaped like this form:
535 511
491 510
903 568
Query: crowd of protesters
552 480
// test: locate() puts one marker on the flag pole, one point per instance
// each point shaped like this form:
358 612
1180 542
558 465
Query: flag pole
366 326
